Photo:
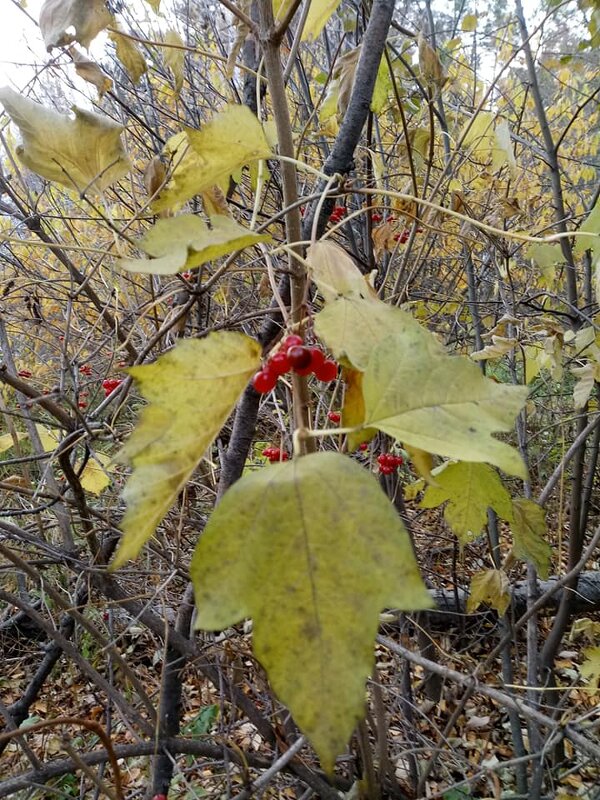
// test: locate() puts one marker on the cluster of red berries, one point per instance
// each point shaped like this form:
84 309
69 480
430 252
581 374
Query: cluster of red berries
389 463
275 454
338 213
294 355
24 373
110 384
376 217
85 369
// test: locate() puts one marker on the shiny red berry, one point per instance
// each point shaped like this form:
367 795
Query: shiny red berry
279 363
24 373
293 340
363 446
327 371
300 357
334 416
264 381
85 369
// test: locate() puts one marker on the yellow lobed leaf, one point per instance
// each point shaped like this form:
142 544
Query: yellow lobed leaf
470 489
191 391
129 54
318 14
174 56
529 528
85 17
184 242
440 403
288 545
81 153
232 138
490 587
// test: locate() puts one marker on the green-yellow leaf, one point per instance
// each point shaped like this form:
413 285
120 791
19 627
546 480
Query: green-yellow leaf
590 668
440 403
232 138
353 412
63 22
490 587
586 378
529 529
312 550
318 14
469 23
352 327
129 55
470 489
191 391
174 55
183 242
81 153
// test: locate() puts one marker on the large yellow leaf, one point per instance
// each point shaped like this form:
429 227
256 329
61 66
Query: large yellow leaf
7 440
318 14
232 138
354 320
312 550
440 403
128 54
191 391
470 489
81 153
529 528
179 243
351 328
65 21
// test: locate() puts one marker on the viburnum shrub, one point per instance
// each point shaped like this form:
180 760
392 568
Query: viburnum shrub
295 356
275 454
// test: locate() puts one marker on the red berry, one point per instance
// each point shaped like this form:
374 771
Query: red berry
187 276
279 363
293 340
85 369
376 217
160 797
24 373
317 359
264 381
82 404
334 416
363 446
385 470
284 456
327 371
300 357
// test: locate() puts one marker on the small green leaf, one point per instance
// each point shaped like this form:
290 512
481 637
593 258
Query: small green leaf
529 528
191 391
440 403
490 587
470 489
183 242
81 153
312 550
203 158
